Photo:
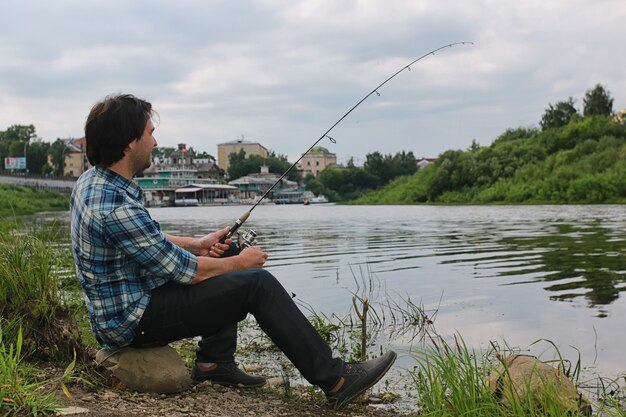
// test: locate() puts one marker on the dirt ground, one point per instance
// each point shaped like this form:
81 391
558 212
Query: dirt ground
208 400
95 393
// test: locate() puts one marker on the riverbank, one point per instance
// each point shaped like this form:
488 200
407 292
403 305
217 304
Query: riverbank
206 400
18 200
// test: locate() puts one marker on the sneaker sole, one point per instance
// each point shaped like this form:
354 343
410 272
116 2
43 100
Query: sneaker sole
230 384
340 403
199 379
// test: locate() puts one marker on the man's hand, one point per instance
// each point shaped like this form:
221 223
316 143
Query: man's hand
252 257
210 245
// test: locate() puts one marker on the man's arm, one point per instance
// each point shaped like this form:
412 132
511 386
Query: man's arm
190 244
208 245
209 252
252 257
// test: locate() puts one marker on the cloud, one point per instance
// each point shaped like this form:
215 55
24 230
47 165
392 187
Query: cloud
282 72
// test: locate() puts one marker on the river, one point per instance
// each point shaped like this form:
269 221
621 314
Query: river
510 274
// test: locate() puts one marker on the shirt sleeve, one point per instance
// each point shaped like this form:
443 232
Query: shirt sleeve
131 229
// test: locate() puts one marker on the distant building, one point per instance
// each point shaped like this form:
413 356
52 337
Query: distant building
255 185
318 159
250 148
620 117
423 162
75 157
182 162
179 177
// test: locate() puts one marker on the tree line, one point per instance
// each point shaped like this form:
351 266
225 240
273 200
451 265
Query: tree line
347 183
240 165
573 157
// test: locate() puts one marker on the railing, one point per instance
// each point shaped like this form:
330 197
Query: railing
41 182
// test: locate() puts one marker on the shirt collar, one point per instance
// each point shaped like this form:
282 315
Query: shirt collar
112 177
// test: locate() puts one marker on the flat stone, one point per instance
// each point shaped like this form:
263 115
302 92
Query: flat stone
523 378
157 370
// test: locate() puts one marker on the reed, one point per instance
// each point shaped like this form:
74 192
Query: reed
21 394
453 379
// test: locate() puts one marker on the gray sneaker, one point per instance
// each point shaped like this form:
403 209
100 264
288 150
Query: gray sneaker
359 376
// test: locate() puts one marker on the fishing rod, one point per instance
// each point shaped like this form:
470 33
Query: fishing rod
246 214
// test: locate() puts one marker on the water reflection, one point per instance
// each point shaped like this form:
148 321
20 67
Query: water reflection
578 260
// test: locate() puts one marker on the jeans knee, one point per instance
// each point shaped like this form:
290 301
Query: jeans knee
265 278
265 283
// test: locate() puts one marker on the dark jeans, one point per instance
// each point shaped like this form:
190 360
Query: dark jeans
213 308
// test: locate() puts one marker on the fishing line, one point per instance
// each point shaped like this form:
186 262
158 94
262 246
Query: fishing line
245 215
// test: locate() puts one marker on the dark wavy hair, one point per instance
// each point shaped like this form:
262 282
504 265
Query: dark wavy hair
112 124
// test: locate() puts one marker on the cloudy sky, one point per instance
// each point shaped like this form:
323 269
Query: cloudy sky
281 72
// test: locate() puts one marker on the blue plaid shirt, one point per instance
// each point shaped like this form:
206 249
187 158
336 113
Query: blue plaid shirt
121 254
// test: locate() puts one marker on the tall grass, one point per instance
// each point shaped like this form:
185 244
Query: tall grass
30 293
453 380
35 321
27 286
450 381
21 394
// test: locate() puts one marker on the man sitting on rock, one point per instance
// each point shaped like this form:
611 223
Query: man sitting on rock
145 288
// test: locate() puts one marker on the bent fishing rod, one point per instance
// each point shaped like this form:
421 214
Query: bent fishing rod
246 214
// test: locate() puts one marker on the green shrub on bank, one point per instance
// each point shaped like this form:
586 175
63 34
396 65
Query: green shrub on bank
30 294
582 162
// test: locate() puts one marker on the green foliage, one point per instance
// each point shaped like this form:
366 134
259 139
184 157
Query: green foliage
162 152
346 183
338 183
383 169
37 156
314 185
517 133
597 102
57 153
239 165
21 140
27 288
205 155
558 115
451 381
582 162
19 201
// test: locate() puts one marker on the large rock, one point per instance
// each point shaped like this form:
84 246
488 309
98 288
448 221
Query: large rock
160 370
525 380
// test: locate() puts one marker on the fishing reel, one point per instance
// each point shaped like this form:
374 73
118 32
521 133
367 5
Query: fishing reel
246 239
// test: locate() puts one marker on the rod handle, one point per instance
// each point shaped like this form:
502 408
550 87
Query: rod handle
235 226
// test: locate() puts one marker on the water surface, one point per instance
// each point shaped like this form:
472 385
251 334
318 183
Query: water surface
505 273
